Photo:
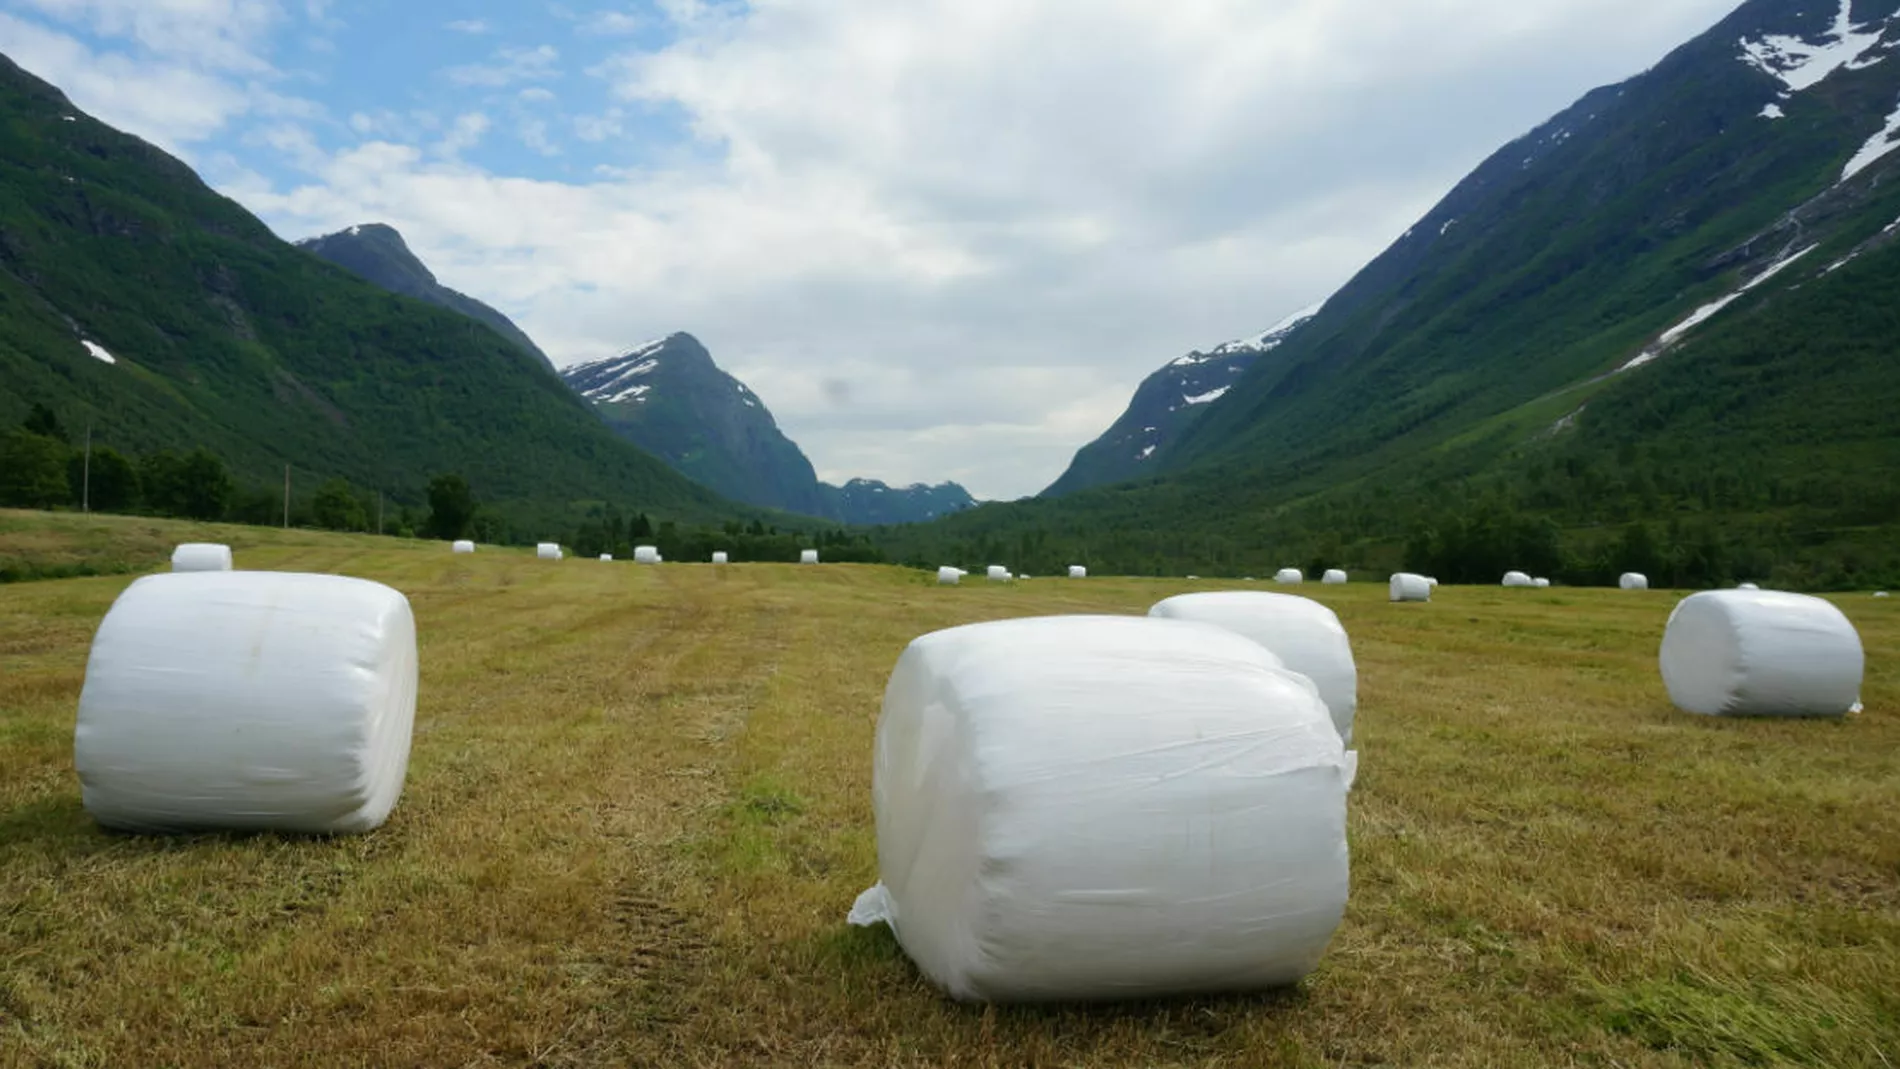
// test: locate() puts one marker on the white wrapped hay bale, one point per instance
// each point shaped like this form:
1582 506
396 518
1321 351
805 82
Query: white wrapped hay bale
1106 808
1881 594
547 551
1633 581
1761 653
646 555
201 557
808 556
1334 577
1747 586
997 573
948 576
1076 571
462 546
1290 576
1431 582
1541 583
1306 636
719 556
248 700
1408 587
1519 579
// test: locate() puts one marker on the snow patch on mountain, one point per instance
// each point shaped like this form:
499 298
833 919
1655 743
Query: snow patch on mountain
1207 398
1800 64
1708 311
1145 453
631 393
1773 111
1263 342
98 352
1877 146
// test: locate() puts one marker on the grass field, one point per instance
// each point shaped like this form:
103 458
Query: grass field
639 806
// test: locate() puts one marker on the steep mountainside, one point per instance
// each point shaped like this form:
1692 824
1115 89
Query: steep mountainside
378 253
1164 405
135 299
1664 305
669 397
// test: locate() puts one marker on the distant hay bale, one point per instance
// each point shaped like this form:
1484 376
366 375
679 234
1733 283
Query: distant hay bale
547 551
1747 586
1881 594
646 555
719 556
948 576
1519 579
1076 571
1306 636
1334 577
1408 587
1089 808
1761 653
606 556
997 573
1633 581
808 556
1541 583
248 700
1290 576
201 557
462 546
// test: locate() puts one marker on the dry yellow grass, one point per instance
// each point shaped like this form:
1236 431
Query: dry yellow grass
638 809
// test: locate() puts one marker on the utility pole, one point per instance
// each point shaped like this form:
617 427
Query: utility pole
85 485
379 512
286 497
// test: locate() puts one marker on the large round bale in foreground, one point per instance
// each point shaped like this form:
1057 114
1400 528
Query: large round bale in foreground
1087 808
948 576
1333 577
248 700
1519 579
1633 581
1761 653
1290 576
1306 636
1076 571
548 551
1408 587
462 545
201 557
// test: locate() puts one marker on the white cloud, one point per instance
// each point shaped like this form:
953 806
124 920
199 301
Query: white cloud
470 26
534 134
614 23
463 134
212 34
534 94
509 66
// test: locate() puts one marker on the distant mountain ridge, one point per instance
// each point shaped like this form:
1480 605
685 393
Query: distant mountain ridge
1165 404
669 397
378 253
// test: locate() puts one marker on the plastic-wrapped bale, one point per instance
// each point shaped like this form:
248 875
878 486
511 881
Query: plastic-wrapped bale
948 576
646 555
547 551
1306 636
250 700
1290 576
808 556
462 546
1518 579
201 557
1761 653
1633 581
1541 583
1333 577
1431 582
1089 808
1076 571
1747 586
1882 594
719 556
997 573
1408 587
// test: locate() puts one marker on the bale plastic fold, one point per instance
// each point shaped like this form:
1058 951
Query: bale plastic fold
1408 587
1306 636
248 700
201 557
1761 653
1090 808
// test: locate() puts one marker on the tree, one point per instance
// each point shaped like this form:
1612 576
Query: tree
451 507
161 476
204 485
43 422
115 482
337 507
32 470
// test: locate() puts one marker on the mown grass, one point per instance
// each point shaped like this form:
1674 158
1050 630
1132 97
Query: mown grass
638 809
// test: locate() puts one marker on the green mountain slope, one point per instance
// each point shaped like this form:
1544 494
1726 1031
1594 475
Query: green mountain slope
224 336
377 252
1655 327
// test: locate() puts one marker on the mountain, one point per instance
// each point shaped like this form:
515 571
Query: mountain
1164 405
1656 320
378 253
138 301
669 397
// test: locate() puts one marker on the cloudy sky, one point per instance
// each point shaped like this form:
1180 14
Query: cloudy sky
941 238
